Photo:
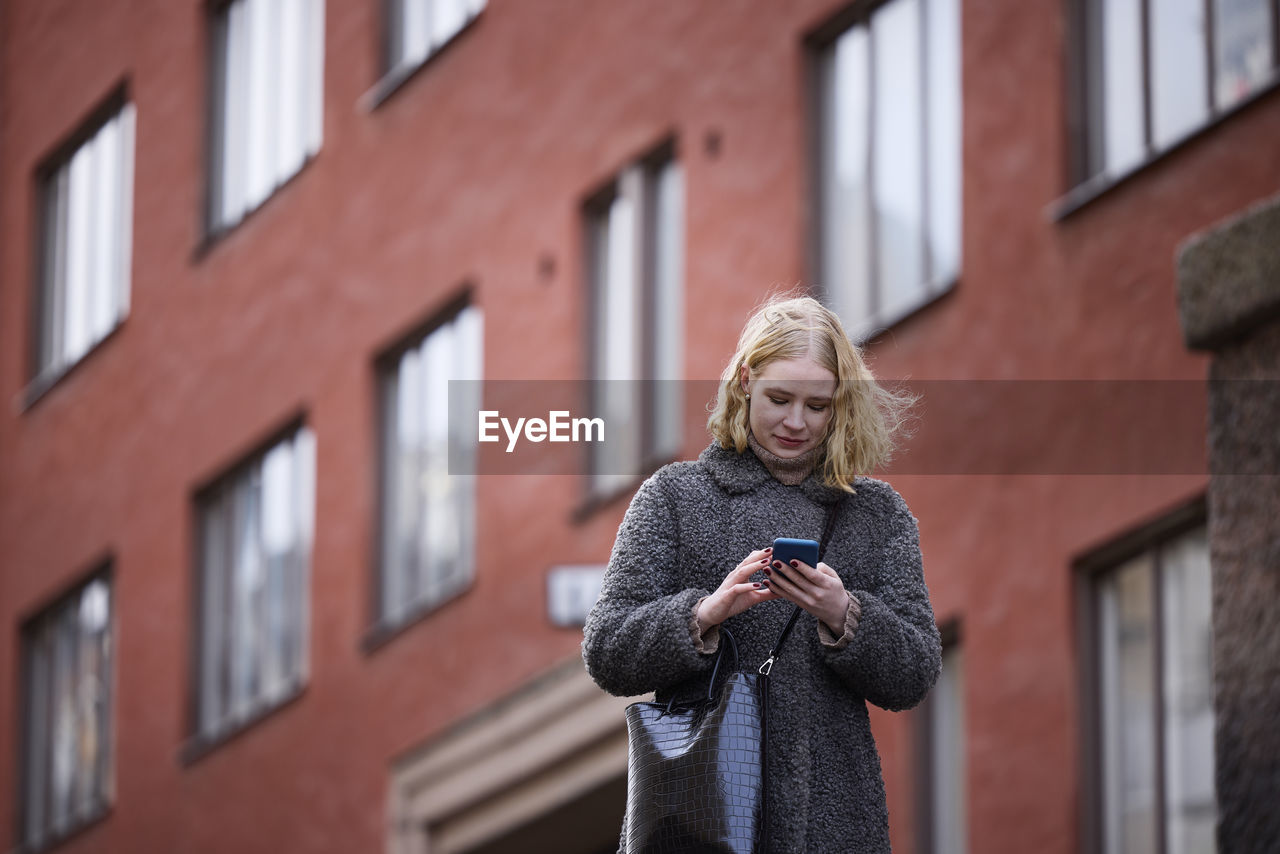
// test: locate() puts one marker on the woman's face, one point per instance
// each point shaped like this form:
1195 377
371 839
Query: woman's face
790 405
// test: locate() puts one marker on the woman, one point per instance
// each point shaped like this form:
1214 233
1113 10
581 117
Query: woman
797 417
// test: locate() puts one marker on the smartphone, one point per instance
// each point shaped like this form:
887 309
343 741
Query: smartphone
786 550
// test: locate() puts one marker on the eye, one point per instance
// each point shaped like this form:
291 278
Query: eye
775 400
818 407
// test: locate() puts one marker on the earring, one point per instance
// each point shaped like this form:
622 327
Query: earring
748 395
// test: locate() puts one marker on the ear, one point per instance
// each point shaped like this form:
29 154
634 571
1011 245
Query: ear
744 377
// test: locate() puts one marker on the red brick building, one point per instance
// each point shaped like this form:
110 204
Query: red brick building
244 246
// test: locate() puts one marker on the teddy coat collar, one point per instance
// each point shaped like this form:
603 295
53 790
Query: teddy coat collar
740 472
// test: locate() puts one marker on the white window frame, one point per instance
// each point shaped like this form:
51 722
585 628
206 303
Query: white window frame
885 145
67 746
427 518
267 111
255 532
87 244
635 248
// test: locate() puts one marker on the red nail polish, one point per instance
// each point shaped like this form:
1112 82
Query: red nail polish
796 564
767 572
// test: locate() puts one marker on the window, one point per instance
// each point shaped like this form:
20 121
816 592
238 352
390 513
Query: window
889 160
1156 70
268 98
418 28
635 241
941 770
428 517
66 741
255 534
1154 712
87 218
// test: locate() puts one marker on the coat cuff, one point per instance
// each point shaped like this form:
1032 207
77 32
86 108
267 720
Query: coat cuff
706 640
851 616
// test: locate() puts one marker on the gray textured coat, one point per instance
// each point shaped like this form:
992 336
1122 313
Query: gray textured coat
687 527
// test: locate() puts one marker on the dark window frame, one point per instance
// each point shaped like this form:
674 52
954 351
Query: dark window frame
41 379
102 569
394 76
593 208
952 636
211 230
1089 569
382 630
199 744
817 42
1086 175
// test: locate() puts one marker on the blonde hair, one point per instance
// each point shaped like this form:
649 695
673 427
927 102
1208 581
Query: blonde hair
866 419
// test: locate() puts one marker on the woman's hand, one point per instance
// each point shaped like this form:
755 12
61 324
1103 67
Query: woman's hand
817 590
736 594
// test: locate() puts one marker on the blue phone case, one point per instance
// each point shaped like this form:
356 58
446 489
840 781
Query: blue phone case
787 549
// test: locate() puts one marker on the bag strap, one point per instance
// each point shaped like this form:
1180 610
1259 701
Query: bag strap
776 652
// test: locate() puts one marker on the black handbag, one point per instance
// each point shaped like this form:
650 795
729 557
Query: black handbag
696 772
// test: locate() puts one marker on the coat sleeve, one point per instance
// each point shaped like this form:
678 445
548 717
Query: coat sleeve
639 636
894 655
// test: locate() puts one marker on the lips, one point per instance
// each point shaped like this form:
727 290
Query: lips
789 443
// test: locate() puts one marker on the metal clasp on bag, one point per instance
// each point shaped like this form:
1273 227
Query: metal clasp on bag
767 666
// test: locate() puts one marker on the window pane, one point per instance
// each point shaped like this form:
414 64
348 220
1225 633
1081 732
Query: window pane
846 200
271 54
290 139
419 27
79 266
439 543
215 535
299 585
1128 664
1242 48
409 499
950 819
617 342
637 291
278 539
1188 696
429 527
256 530
942 22
66 736
668 299
1178 70
1121 85
447 17
899 156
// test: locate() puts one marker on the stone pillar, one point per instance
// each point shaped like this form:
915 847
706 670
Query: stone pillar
1229 300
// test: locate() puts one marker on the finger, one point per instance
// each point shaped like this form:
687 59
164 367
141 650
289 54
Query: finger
801 570
829 572
748 567
790 589
792 575
757 555
760 590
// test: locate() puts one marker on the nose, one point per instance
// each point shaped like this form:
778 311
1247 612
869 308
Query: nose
794 419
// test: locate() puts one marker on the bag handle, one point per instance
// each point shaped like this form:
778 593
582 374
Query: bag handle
725 635
776 652
733 645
